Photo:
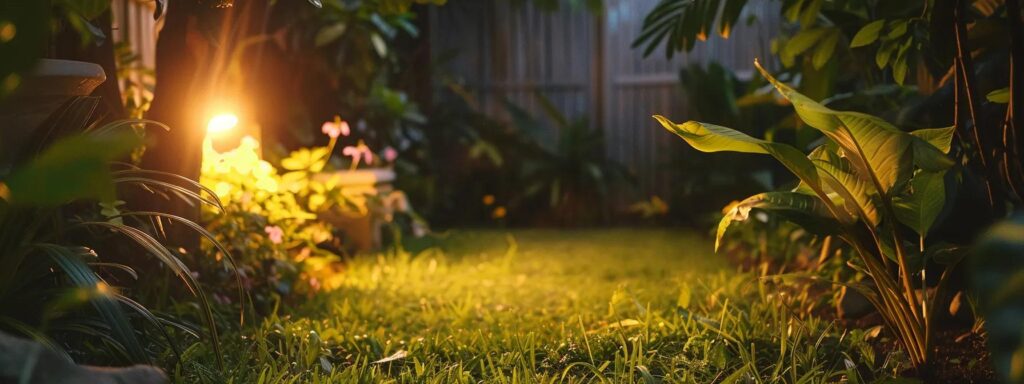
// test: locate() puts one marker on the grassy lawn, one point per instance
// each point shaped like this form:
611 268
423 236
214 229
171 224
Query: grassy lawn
543 306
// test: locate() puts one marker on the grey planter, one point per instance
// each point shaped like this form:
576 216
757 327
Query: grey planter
42 92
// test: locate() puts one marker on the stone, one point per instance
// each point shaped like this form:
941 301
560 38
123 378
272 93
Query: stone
27 361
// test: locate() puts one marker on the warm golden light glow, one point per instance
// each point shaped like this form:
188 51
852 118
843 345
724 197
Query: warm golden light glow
221 123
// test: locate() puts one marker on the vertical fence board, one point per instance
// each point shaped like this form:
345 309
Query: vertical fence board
584 63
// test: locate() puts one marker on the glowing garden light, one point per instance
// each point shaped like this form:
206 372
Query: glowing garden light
221 123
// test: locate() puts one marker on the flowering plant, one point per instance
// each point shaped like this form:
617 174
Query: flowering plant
270 228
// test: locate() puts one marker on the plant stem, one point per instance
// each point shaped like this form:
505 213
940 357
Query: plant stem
1011 153
965 65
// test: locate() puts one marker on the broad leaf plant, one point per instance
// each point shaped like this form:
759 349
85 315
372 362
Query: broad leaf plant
865 182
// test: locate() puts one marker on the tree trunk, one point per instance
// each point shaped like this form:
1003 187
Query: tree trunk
181 71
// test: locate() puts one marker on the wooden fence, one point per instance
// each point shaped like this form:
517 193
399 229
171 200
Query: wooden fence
584 63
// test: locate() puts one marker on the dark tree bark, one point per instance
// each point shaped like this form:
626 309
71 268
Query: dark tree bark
182 68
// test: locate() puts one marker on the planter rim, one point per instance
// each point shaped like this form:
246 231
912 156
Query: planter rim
56 77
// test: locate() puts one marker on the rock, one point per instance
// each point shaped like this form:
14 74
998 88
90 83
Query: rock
26 361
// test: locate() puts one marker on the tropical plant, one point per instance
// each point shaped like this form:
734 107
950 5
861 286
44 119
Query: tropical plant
852 51
865 183
701 184
565 163
59 213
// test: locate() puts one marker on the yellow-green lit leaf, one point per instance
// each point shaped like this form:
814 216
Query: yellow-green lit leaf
792 10
714 138
810 12
896 29
930 155
877 149
927 197
802 41
1000 96
823 52
792 202
885 53
867 34
899 70
940 138
858 194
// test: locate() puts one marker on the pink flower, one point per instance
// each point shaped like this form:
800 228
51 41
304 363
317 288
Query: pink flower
275 233
390 154
335 128
358 153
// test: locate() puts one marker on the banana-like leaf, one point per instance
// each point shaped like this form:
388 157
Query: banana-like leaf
926 141
858 194
714 138
877 149
926 200
788 202
940 138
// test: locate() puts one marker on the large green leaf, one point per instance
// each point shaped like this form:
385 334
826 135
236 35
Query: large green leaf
927 197
931 146
940 138
867 34
801 42
999 96
878 151
714 138
787 202
858 195
823 52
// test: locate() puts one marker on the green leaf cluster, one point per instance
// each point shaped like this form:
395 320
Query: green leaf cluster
864 182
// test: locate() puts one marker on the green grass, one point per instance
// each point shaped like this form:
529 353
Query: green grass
544 306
